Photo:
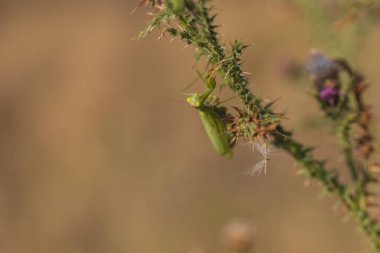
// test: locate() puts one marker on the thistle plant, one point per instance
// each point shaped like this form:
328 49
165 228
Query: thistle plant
338 89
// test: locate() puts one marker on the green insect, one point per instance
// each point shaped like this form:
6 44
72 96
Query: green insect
213 118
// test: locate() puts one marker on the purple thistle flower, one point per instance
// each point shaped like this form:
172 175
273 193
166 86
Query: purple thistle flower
329 94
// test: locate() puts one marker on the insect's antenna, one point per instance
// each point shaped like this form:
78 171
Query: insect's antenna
197 78
142 2
191 83
175 100
228 99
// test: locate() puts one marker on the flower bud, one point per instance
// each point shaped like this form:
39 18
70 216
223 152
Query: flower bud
329 95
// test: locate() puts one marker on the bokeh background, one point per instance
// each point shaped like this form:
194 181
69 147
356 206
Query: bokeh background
98 155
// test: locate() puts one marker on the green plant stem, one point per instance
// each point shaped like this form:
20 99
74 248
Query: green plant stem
344 131
195 27
312 168
316 169
361 118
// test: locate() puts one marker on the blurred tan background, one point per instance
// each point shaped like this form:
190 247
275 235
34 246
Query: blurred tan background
96 155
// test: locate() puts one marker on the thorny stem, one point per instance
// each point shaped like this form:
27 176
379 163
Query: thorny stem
195 26
315 169
347 108
344 132
364 139
361 118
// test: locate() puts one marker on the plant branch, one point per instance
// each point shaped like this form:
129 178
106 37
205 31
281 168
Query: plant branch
195 25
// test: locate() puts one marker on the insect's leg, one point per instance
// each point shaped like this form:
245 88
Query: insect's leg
210 86
199 76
